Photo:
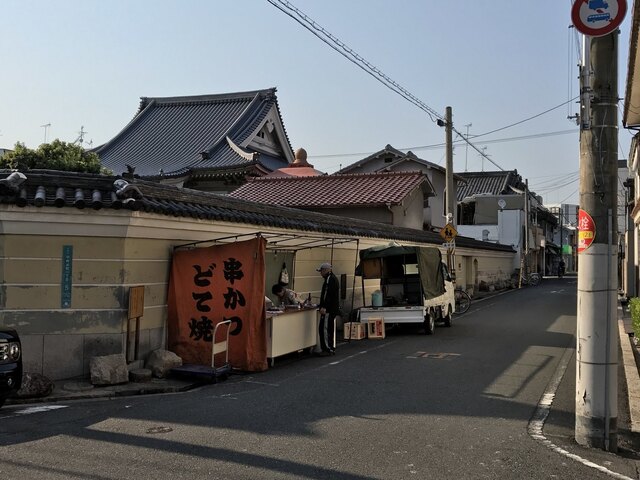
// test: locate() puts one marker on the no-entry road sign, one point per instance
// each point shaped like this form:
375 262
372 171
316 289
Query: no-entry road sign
596 18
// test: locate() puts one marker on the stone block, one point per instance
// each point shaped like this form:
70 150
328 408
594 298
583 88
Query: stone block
34 385
97 345
108 370
161 361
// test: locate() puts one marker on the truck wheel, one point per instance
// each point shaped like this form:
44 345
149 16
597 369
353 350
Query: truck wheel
448 318
429 324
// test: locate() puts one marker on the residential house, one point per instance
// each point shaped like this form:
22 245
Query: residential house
493 207
206 142
390 159
392 198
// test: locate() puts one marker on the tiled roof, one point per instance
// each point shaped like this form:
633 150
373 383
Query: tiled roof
174 135
47 189
492 183
400 157
332 191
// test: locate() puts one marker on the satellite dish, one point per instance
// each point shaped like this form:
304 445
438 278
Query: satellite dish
502 203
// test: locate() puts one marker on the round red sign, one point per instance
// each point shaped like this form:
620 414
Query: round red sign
596 18
586 230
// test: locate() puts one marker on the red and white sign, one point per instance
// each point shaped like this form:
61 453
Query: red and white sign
596 18
586 230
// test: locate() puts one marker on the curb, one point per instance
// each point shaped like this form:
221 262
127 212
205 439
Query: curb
125 390
630 372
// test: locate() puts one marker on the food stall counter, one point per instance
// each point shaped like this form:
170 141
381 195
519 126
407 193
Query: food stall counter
291 330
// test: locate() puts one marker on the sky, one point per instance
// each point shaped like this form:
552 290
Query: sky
85 64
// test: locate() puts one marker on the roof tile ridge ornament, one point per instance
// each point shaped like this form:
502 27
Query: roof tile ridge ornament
300 159
127 191
251 156
11 184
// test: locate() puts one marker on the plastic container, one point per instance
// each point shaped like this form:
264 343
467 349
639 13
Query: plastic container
376 298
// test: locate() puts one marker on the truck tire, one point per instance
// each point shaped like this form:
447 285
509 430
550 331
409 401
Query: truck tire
429 323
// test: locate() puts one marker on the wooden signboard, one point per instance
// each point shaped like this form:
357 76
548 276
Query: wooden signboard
136 302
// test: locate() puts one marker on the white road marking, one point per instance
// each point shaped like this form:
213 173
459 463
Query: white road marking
30 410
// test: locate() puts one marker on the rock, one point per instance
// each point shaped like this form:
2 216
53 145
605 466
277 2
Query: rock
34 385
161 361
140 375
109 369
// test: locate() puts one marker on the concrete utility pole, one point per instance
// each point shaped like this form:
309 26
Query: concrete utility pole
597 341
451 201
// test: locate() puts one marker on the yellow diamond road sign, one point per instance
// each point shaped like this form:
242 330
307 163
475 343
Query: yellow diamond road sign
448 233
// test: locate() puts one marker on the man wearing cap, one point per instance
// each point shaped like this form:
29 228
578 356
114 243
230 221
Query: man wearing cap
329 308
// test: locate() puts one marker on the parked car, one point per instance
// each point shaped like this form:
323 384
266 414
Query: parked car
10 363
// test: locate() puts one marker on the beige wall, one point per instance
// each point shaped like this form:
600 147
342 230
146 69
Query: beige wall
112 251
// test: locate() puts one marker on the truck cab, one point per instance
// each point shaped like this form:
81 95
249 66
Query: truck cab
10 363
414 286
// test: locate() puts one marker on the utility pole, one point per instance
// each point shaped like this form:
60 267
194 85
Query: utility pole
596 411
451 201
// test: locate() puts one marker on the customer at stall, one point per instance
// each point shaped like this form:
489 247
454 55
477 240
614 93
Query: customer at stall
286 296
329 308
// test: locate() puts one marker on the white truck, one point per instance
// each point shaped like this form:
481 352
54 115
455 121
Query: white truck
415 286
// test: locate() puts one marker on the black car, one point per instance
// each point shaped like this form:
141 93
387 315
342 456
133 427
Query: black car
10 363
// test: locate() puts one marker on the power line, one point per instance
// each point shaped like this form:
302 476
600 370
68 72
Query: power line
526 119
436 146
363 64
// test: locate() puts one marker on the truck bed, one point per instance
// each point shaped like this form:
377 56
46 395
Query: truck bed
401 314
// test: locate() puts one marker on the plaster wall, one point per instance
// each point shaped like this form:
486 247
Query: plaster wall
115 250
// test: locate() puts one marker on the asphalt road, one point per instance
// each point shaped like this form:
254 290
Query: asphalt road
455 405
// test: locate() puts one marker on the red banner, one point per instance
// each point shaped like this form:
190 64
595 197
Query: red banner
213 284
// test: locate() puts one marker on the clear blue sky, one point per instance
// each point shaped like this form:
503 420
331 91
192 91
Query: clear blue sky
86 63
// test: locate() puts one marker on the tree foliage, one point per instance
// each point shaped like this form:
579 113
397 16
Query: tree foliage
57 155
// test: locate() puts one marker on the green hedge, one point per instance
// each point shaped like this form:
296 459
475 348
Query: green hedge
634 308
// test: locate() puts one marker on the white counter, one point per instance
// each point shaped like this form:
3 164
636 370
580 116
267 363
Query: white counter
291 331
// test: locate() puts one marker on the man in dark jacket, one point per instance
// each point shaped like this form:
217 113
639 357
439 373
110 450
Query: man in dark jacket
329 308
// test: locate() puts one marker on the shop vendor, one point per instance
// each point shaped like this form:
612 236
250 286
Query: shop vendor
286 296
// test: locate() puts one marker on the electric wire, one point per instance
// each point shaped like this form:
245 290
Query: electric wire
435 146
526 119
347 52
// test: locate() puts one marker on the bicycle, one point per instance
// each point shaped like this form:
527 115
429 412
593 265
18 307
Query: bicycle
463 300
533 279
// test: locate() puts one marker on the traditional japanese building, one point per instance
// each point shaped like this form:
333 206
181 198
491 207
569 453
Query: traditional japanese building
206 142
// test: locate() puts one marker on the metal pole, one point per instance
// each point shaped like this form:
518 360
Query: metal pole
597 342
526 227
